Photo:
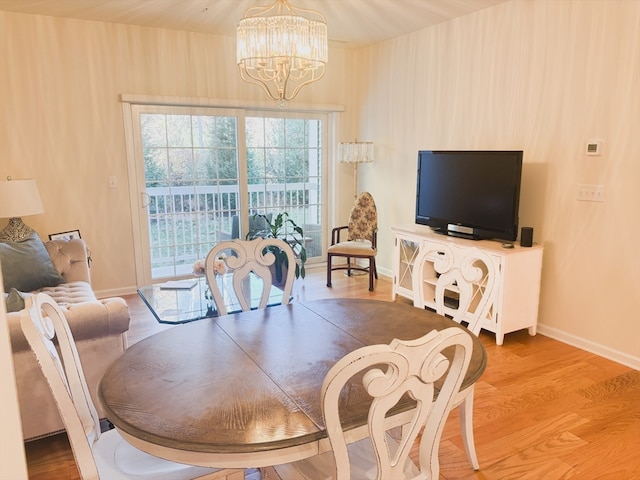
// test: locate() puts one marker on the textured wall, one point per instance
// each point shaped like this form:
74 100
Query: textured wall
545 77
62 121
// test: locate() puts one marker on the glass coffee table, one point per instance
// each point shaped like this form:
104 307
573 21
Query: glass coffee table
188 300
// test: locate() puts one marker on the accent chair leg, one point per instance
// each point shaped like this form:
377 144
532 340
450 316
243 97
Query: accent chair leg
372 269
328 270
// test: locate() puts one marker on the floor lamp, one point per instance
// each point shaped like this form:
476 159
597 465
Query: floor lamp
355 152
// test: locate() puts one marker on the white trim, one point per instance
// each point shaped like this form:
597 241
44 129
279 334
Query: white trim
134 194
116 292
333 183
225 103
589 346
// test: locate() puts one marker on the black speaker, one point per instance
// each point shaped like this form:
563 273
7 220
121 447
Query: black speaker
526 237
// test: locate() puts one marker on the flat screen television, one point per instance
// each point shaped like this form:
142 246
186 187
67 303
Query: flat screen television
471 194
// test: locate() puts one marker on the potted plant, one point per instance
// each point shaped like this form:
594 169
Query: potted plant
283 227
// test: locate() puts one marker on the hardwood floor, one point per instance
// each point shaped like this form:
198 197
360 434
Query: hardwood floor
543 409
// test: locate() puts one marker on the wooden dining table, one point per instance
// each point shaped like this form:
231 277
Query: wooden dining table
243 390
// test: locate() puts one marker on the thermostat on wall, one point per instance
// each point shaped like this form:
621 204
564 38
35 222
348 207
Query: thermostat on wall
594 147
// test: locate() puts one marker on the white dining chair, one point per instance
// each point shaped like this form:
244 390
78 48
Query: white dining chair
105 455
462 283
243 258
390 373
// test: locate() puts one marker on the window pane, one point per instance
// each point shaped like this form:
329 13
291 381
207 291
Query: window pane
274 132
205 166
226 132
191 174
154 130
204 131
284 168
179 131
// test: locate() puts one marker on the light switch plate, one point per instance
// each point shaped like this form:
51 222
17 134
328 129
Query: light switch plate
590 193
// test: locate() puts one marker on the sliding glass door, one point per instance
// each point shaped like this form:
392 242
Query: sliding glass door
201 173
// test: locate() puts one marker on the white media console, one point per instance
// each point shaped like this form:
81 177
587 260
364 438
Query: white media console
517 283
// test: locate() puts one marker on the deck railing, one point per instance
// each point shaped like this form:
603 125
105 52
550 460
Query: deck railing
186 221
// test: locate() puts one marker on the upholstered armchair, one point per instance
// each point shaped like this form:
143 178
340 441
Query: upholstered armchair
361 241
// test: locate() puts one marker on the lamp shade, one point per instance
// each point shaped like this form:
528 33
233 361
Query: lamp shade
19 198
355 152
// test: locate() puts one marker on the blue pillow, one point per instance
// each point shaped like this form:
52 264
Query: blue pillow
27 266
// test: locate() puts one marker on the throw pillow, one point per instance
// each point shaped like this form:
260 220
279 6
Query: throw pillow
27 266
15 300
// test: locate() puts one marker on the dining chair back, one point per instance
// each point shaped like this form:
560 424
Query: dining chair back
244 258
463 282
388 373
361 239
98 455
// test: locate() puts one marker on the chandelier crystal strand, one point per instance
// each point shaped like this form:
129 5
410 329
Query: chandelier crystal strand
280 50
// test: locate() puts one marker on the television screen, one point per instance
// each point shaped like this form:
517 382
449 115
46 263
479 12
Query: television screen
474 194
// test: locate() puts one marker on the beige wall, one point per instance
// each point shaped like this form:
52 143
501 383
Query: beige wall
544 77
537 75
60 87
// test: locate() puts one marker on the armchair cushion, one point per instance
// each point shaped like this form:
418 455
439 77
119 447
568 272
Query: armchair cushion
27 266
353 248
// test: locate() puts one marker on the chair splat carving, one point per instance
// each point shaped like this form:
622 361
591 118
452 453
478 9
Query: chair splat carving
241 259
468 275
388 373
98 455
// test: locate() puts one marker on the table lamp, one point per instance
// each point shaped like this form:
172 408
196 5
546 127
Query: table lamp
18 198
355 152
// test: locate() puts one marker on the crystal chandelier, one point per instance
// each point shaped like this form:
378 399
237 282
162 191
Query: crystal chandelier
280 50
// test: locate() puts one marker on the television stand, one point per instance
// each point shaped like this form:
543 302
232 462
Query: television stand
454 233
517 283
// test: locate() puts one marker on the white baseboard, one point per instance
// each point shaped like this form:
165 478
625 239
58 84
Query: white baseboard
589 346
116 292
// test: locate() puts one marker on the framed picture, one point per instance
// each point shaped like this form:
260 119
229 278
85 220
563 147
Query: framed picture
65 235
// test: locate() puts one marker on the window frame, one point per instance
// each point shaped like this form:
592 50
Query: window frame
134 105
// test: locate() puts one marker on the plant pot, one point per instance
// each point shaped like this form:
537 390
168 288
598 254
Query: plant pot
274 278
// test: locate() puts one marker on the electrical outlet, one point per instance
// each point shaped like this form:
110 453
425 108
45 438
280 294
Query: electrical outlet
113 182
590 193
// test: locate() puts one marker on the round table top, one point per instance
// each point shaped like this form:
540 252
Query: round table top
251 382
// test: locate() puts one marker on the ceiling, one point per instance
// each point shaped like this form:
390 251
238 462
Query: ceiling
353 22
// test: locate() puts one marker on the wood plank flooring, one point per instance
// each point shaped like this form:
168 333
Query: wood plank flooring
543 410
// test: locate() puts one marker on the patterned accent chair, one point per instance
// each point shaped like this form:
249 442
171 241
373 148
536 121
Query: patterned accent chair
361 241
